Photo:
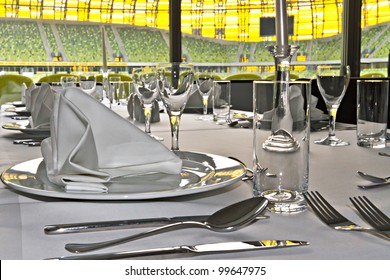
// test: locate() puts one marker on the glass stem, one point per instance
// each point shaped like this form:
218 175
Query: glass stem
175 123
332 121
148 116
205 103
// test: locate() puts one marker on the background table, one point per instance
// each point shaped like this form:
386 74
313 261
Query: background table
332 172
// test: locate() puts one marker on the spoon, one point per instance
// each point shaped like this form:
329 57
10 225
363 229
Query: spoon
230 218
373 178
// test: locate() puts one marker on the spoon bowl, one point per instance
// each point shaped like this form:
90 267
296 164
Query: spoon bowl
373 178
230 218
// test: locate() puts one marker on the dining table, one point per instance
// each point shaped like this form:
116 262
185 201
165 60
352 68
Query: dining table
332 172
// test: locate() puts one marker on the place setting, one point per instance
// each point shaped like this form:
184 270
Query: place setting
95 160
39 106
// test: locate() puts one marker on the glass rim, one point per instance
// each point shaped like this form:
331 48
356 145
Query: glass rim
280 82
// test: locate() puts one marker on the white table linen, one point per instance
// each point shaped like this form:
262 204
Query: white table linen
332 172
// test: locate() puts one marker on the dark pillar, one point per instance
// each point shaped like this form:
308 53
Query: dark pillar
175 30
352 10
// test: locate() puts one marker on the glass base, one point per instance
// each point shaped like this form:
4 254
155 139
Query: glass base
284 201
205 118
156 137
373 143
331 141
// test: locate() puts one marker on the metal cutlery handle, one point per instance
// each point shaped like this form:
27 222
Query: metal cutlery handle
371 186
211 248
87 247
121 224
118 224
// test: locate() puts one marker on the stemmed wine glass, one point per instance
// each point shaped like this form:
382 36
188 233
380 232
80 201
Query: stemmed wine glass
145 83
332 82
176 82
114 89
204 82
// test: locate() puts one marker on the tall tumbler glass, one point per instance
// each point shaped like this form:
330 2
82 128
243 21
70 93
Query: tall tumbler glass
281 131
372 111
221 100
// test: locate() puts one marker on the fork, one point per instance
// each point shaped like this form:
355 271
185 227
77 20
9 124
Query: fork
375 217
333 218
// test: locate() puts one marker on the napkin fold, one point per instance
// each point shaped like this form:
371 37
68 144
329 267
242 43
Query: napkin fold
42 102
27 96
296 106
90 145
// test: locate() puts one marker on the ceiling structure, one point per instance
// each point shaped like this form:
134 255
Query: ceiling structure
236 20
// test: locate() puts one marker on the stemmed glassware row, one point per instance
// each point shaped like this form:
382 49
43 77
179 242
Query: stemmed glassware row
171 82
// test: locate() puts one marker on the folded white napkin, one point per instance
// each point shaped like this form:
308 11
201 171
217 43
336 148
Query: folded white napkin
90 145
296 106
27 96
42 101
23 93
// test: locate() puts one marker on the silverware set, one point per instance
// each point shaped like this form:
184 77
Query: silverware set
28 142
330 216
230 218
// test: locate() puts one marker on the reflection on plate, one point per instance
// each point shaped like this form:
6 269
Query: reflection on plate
200 173
21 111
24 127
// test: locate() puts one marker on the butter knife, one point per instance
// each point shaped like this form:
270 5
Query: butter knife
211 248
121 224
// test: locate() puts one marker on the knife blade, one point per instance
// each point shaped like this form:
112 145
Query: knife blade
211 248
122 224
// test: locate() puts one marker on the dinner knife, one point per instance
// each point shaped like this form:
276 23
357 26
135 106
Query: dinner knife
122 224
211 248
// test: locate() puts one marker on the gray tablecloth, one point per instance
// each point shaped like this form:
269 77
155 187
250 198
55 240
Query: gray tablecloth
332 172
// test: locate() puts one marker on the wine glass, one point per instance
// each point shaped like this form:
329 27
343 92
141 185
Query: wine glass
145 83
114 89
332 82
68 81
176 82
204 82
88 83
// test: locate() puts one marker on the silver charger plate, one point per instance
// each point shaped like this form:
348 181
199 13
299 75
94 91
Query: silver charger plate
201 172
23 127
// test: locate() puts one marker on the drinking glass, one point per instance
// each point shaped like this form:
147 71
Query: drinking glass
68 81
332 82
88 83
114 89
176 82
145 83
204 82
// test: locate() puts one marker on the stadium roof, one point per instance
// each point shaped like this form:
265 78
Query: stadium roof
237 20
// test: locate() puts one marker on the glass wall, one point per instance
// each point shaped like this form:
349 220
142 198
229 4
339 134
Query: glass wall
230 35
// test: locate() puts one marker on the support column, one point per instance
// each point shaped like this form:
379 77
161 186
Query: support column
352 10
175 31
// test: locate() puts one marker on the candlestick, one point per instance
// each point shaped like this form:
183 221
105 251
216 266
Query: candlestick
281 23
104 50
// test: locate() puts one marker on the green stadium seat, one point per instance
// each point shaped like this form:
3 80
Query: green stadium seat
244 76
55 78
11 87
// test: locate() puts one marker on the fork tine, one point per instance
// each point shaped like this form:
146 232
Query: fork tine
362 210
328 209
376 216
311 201
322 208
382 215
